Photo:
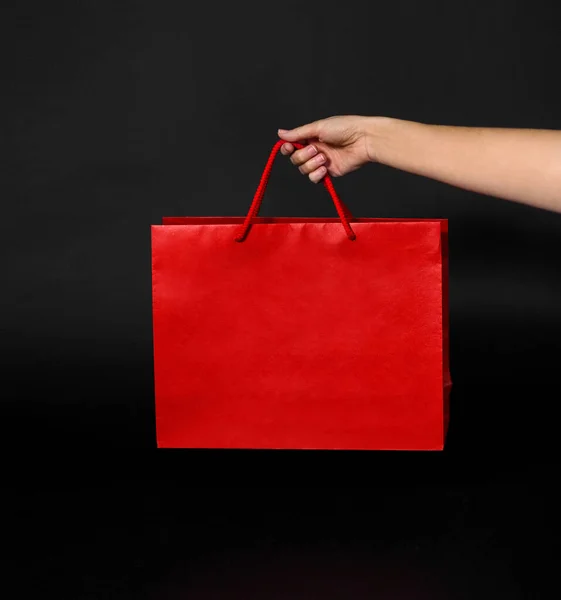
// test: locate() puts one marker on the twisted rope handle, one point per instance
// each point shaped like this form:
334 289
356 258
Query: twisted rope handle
342 210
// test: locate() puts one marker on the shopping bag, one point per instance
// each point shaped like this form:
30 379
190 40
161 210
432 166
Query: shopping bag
300 333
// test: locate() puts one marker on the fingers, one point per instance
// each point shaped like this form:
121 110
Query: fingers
287 149
303 155
310 130
317 175
311 165
308 161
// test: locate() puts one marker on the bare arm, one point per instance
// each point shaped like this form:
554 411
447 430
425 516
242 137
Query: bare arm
522 165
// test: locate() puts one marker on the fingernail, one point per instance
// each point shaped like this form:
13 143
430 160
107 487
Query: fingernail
312 150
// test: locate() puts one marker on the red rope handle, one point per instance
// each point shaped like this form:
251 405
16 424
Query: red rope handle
343 212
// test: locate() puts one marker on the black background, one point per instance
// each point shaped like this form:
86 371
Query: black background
119 113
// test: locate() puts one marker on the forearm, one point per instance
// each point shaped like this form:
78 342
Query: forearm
522 165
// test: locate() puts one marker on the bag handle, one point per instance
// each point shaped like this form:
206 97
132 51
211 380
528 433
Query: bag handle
342 210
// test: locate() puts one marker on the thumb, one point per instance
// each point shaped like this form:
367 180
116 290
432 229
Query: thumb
311 130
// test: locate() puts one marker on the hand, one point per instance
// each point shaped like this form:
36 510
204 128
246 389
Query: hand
336 145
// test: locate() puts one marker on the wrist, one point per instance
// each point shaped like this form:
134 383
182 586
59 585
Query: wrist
377 132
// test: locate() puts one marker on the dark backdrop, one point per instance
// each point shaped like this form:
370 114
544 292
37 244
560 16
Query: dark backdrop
119 113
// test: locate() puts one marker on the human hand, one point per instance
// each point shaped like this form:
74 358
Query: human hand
336 145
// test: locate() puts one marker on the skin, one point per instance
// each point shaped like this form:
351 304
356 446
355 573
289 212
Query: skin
520 165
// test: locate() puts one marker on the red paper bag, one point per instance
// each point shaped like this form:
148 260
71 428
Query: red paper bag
300 333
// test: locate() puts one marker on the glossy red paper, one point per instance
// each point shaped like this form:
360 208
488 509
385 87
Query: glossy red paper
300 333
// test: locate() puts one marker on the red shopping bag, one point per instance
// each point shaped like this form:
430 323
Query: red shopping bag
300 333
